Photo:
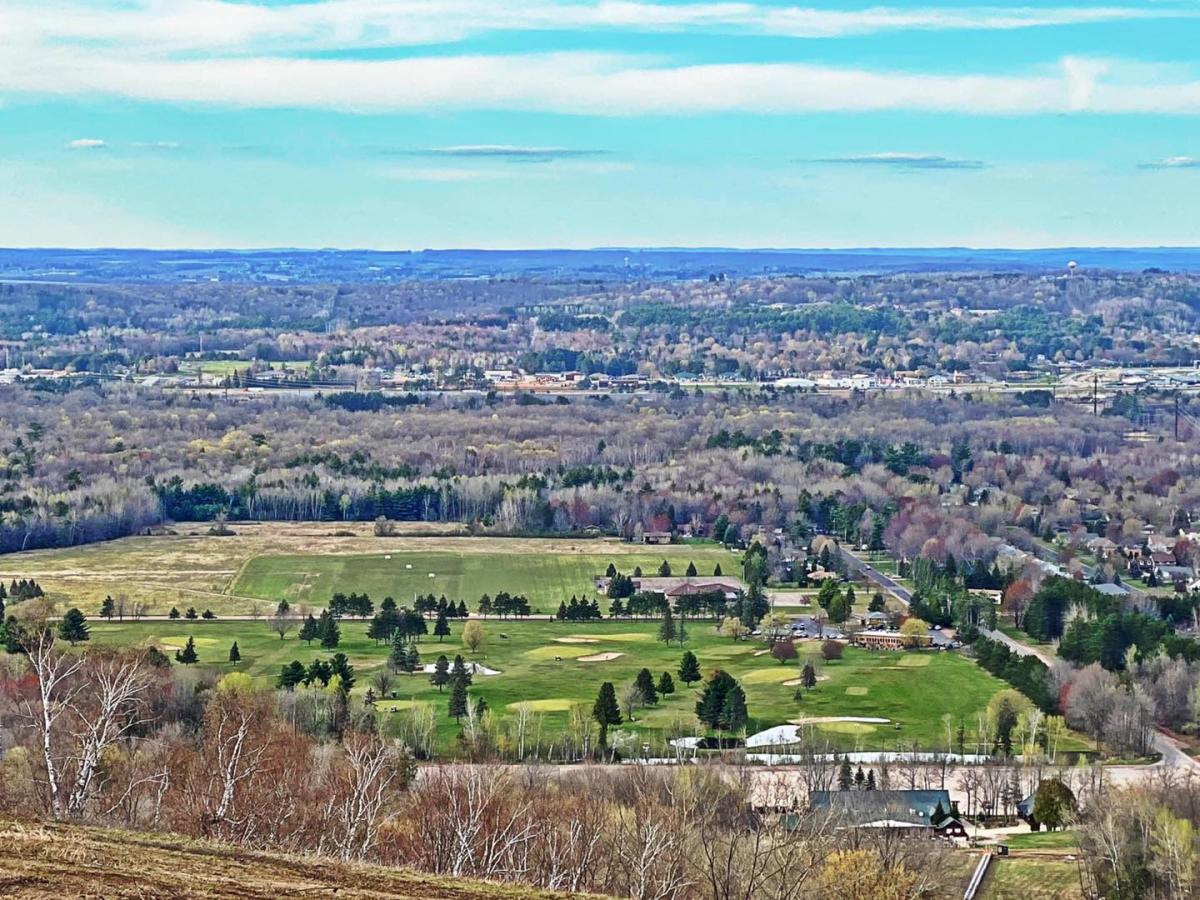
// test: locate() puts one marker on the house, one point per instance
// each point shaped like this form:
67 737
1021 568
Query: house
673 587
1112 590
1101 547
879 640
931 812
1174 574
874 619
656 537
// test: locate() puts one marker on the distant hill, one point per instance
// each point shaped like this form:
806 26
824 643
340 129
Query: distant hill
54 861
360 266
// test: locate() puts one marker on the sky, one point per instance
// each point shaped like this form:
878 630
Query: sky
408 124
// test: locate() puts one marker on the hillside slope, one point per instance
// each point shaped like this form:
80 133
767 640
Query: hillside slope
56 861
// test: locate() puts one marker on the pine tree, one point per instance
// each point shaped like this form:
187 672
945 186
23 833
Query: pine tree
844 776
681 634
666 684
480 708
73 627
691 570
458 698
605 710
441 672
235 655
733 712
463 612
413 663
689 668
340 668
327 630
441 628
291 675
308 631
191 613
174 613
717 570
808 677
664 570
187 655
666 631
106 608
860 779
870 785
562 610
459 670
645 683
283 608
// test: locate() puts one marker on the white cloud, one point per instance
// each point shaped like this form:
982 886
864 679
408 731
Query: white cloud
157 145
86 144
596 84
1174 162
442 175
217 25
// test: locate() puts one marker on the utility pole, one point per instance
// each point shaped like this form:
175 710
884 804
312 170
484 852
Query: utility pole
1177 414
1095 395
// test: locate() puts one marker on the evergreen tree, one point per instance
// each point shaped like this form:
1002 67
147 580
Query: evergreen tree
174 613
459 670
645 683
235 655
808 677
691 570
458 698
340 668
845 777
877 603
441 628
610 571
106 608
318 670
666 684
562 610
605 710
689 668
666 631
463 612
413 663
681 634
191 613
308 631
328 632
733 712
291 675
664 570
441 672
860 778
283 608
870 785
481 707
187 655
710 708
717 570
637 571
73 627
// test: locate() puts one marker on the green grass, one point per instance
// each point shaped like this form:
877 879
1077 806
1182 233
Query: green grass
1031 878
1042 840
545 578
917 697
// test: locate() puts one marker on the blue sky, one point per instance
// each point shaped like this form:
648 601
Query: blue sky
532 123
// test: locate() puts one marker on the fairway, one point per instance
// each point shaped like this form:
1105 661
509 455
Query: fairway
474 568
262 563
863 684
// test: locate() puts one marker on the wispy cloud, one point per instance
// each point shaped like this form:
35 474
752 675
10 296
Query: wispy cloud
157 145
902 161
508 151
1173 162
86 144
441 175
578 83
328 24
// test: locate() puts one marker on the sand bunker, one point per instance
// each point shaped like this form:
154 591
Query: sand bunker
600 657
473 667
795 682
576 640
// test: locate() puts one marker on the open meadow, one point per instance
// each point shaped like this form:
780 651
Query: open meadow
553 665
261 564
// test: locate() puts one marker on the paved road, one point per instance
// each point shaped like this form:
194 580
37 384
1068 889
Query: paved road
1165 746
885 581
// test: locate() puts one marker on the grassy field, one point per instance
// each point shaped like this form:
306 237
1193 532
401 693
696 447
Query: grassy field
1043 840
912 690
1028 877
52 861
304 561
475 567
